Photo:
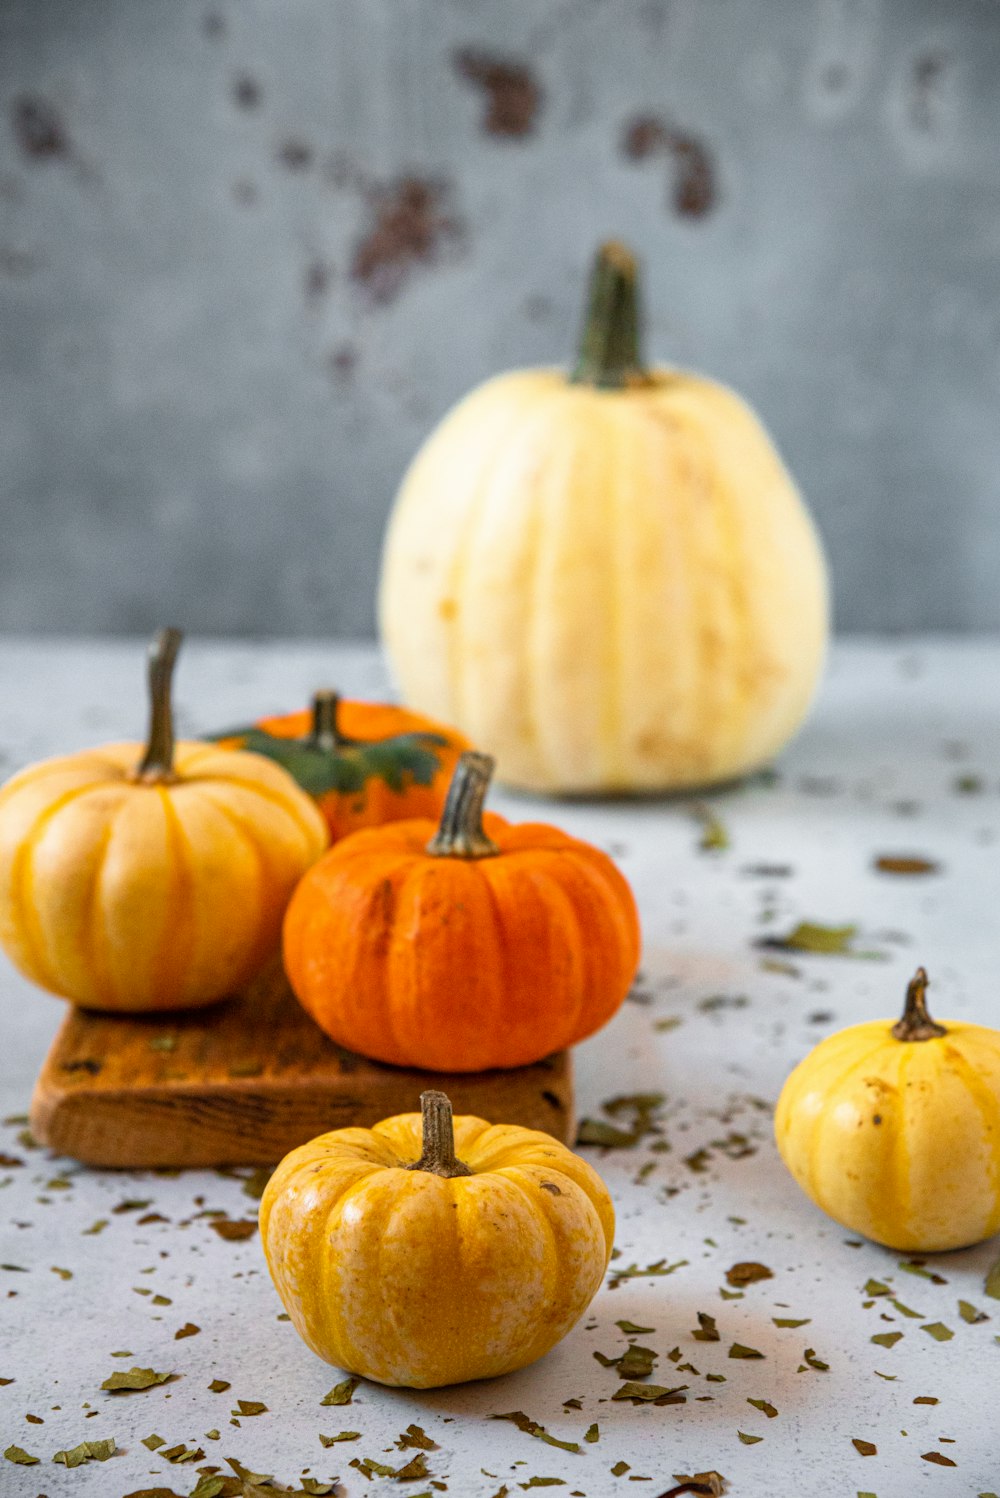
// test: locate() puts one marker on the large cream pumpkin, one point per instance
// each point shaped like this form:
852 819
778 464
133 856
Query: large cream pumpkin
607 580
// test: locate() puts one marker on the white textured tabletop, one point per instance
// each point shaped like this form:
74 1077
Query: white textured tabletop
101 1271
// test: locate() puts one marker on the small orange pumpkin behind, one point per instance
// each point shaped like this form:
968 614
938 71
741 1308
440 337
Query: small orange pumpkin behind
363 763
471 945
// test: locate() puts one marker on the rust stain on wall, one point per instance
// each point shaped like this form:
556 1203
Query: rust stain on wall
693 190
513 95
38 128
411 223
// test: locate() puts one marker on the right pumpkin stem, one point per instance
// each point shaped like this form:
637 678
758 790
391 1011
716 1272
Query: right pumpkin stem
461 833
916 1023
438 1153
610 356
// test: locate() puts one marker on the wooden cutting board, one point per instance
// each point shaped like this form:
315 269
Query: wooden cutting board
244 1082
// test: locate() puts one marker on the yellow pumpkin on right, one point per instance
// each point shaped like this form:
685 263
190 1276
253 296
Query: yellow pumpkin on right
894 1130
606 578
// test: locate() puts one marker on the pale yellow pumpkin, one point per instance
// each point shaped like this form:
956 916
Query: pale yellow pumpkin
157 878
608 581
894 1130
418 1256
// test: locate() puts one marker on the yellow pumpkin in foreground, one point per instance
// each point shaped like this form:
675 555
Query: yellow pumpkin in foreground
894 1130
607 580
157 878
419 1254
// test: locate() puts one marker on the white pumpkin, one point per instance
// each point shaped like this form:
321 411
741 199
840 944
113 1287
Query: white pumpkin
608 580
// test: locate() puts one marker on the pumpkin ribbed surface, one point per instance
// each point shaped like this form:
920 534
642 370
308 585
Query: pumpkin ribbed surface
606 589
119 894
411 1279
460 964
899 1141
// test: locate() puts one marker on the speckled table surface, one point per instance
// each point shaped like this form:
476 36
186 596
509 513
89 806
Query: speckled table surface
101 1271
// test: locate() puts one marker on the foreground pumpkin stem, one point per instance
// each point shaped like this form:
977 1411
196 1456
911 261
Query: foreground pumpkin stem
439 1138
325 734
461 833
916 1023
609 349
158 761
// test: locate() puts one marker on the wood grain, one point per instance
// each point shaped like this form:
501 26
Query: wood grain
244 1082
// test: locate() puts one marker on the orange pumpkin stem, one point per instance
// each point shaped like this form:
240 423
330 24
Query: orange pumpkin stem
461 833
325 734
609 348
157 763
916 1023
439 1138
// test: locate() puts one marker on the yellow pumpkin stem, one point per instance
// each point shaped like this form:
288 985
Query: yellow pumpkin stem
461 833
916 1023
610 345
439 1138
157 763
325 734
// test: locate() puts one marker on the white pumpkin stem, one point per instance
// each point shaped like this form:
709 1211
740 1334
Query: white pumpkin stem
324 733
438 1138
157 763
610 346
461 833
916 1023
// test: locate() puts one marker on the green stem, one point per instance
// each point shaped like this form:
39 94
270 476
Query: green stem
610 346
439 1138
916 1023
461 833
157 763
325 734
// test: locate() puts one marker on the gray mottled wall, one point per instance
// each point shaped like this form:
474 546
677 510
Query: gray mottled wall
250 250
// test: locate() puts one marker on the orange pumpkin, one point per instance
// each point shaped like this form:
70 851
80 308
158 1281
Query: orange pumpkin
472 945
364 763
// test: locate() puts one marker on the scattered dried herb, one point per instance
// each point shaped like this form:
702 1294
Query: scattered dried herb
344 1435
153 1442
919 1267
219 1386
739 1351
631 1330
926 1399
765 1405
970 1313
991 1285
249 1407
811 936
706 1331
887 1339
791 1320
619 1469
875 1287
532 1428
905 1310
903 863
814 1362
648 1393
20 1457
938 1331
256 1182
633 1271
714 837
342 1393
748 1273
864 1448
637 1362
710 1484
938 1458
135 1380
187 1330
234 1230
592 1434
87 1451
415 1436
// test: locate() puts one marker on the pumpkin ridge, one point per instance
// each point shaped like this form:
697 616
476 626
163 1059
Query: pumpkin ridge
986 1106
176 941
262 788
257 949
97 945
538 1208
816 1139
22 881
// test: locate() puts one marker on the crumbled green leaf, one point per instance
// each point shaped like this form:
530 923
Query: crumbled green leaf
234 1230
905 1310
634 1271
938 1458
543 1482
739 1351
926 1399
791 1320
887 1339
592 1434
706 1331
256 1182
344 1435
874 1288
714 837
814 1362
765 1405
342 1393
646 1393
87 1451
811 936
153 1442
20 1457
890 1378
249 1407
903 863
918 1267
414 1435
991 1285
187 1330
748 1273
415 1467
637 1362
748 1440
938 1331
864 1448
970 1313
631 1330
135 1379
219 1386
532 1428
619 1469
